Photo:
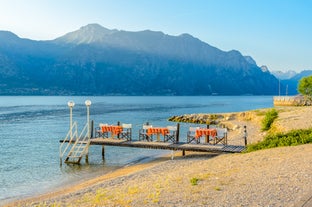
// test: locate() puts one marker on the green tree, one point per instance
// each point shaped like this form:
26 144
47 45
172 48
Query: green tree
305 86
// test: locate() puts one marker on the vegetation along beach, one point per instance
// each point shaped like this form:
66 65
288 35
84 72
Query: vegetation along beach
155 103
270 177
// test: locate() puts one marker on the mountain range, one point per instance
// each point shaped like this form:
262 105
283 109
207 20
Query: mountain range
98 61
284 75
289 80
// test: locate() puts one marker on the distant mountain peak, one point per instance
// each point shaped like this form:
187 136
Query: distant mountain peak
92 59
265 69
155 42
284 75
186 35
91 33
95 28
250 60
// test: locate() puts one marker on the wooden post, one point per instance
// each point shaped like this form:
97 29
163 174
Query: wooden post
103 152
207 136
178 133
87 157
183 153
92 127
245 135
118 124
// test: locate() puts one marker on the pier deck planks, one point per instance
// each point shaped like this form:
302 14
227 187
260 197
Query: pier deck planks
219 148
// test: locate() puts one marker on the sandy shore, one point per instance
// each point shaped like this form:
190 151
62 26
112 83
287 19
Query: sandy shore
275 177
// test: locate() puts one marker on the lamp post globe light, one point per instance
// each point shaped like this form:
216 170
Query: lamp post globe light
88 104
71 104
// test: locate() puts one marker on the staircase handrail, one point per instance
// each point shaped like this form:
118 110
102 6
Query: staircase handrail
72 132
82 141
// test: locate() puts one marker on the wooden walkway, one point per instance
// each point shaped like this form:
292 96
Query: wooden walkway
218 148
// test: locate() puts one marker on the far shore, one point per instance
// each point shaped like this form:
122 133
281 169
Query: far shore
275 177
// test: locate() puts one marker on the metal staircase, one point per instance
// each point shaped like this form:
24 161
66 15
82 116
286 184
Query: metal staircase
74 146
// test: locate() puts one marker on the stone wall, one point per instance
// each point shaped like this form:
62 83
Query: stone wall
291 101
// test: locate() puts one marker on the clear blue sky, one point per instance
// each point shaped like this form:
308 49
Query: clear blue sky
276 33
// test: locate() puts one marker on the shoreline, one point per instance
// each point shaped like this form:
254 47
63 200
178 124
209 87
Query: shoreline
85 179
261 178
89 182
247 175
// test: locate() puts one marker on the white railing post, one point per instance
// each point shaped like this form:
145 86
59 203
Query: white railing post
88 104
71 104
68 140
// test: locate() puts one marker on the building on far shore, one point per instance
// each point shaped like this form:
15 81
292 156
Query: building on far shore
298 100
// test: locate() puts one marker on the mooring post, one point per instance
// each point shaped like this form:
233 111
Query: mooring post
118 124
103 152
87 157
245 135
178 133
207 136
92 127
91 136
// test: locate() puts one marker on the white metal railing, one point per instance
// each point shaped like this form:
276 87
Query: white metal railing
72 132
81 144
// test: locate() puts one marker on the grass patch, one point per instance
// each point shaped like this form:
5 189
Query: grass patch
154 197
133 190
269 118
259 112
292 138
194 181
217 188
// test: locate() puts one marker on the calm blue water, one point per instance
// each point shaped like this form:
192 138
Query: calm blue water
31 128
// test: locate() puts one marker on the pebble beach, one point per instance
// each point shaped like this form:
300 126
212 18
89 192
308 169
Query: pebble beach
273 177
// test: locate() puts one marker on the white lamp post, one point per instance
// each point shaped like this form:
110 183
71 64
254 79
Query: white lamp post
88 104
71 104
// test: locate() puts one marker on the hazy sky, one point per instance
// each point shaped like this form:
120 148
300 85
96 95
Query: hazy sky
276 33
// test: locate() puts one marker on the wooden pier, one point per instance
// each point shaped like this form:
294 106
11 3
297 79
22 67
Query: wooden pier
76 145
79 145
181 146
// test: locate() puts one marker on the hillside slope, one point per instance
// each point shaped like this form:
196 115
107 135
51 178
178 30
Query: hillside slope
97 61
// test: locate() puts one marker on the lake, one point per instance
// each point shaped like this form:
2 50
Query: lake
31 127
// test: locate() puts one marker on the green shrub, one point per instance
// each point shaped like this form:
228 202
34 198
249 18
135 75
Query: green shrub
269 118
292 138
194 181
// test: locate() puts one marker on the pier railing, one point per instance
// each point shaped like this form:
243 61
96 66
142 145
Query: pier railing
64 147
80 147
